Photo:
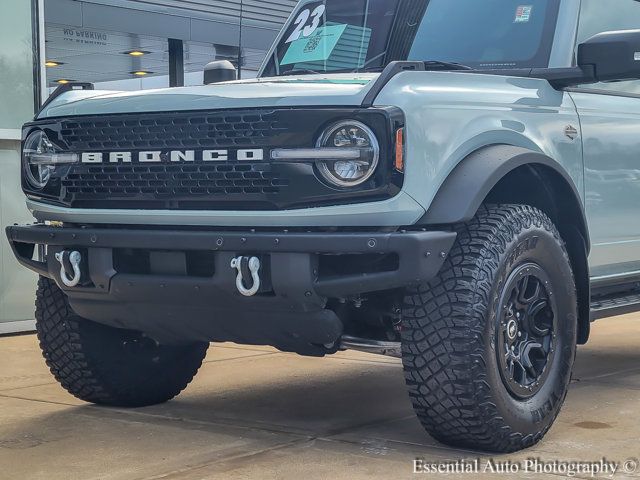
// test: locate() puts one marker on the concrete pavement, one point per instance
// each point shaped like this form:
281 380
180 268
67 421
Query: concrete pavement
253 412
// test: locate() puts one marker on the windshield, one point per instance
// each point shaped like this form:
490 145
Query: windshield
332 36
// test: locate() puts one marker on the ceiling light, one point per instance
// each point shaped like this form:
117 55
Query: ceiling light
141 73
136 53
52 63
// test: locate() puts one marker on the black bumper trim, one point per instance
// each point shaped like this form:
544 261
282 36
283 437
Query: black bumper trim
292 316
420 253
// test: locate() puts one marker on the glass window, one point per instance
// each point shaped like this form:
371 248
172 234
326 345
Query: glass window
361 35
16 65
108 59
487 34
335 35
599 16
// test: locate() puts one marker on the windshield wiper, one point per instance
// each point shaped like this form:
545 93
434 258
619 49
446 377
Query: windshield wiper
438 65
299 71
431 65
370 69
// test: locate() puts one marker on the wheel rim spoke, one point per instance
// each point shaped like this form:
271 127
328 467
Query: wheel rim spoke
526 330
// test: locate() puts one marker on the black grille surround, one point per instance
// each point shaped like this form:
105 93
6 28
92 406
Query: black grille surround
215 185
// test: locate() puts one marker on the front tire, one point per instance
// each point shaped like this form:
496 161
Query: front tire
488 346
106 365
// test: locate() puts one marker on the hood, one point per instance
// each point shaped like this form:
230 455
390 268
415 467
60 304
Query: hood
305 90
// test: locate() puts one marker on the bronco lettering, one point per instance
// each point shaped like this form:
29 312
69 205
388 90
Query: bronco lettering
157 156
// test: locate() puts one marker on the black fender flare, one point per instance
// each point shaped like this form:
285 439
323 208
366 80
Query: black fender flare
475 177
471 181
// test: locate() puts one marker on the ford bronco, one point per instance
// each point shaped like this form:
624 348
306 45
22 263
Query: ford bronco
452 182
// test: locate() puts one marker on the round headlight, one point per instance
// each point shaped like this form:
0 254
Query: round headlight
363 146
37 149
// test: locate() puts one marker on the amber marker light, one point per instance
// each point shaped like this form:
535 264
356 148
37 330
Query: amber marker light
52 63
136 53
63 81
399 161
141 73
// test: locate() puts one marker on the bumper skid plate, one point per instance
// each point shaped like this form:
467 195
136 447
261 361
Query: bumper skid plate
167 300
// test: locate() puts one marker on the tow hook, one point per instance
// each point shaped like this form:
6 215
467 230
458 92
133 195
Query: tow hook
247 266
69 261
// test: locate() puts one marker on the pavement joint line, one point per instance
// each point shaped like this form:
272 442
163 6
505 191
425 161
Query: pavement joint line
611 374
51 402
439 447
227 459
28 386
611 383
268 428
226 422
340 431
221 422
243 347
240 358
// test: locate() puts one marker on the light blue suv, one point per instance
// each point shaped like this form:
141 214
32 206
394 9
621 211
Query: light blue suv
454 182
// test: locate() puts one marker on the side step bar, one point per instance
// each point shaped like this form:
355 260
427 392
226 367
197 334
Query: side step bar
390 349
610 306
602 307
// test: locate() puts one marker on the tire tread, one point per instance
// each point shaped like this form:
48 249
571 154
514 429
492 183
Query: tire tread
443 335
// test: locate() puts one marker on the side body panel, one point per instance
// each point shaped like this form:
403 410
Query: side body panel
610 126
450 115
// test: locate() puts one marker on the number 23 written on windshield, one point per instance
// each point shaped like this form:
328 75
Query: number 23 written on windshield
301 23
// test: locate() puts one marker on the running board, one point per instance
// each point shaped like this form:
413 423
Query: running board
390 349
612 306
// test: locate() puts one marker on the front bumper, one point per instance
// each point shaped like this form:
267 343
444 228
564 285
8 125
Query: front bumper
399 210
172 304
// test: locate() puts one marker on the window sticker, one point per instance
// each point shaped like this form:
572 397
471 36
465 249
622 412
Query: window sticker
523 13
315 48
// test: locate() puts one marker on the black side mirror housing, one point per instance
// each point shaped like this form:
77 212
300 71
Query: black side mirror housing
613 56
219 71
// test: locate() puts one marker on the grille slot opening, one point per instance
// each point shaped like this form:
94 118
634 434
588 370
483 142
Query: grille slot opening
198 263
337 265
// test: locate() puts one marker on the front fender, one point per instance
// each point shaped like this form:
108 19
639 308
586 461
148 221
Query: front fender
464 190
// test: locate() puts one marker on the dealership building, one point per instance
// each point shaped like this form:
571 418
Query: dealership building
116 45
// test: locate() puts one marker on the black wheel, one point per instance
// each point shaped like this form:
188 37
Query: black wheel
106 365
488 346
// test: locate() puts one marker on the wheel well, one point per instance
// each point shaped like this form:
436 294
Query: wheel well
542 187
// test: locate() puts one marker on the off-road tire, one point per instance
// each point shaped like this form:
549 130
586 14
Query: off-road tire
105 365
449 334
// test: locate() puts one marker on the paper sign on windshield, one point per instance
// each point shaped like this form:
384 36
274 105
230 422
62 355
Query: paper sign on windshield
316 48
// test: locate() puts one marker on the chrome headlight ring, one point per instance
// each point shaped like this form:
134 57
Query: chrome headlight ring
40 157
349 172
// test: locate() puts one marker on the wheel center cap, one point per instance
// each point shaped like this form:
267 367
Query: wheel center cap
512 329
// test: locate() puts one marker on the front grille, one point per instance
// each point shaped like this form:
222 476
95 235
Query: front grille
217 167
179 182
252 128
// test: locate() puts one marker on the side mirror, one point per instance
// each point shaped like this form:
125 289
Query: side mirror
612 55
219 71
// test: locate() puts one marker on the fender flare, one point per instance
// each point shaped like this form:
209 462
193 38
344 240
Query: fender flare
471 181
469 184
